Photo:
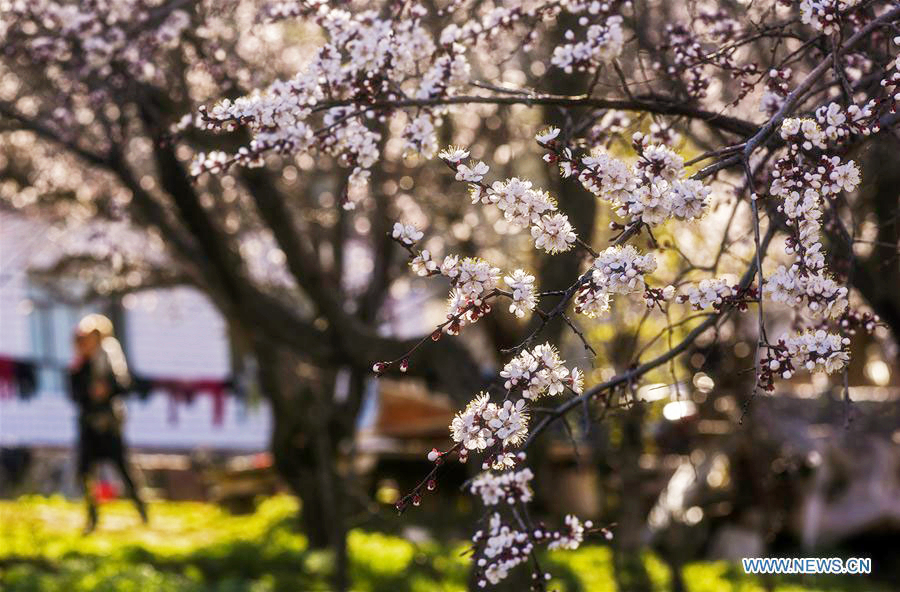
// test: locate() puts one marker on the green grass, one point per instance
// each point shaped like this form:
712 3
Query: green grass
197 547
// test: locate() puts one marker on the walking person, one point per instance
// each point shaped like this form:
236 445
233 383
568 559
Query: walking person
99 377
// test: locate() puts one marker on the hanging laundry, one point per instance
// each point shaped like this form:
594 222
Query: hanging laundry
18 378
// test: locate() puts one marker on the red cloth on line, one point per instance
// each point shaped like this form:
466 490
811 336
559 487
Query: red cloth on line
180 390
7 378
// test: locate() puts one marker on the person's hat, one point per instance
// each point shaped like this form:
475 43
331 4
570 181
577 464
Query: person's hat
92 323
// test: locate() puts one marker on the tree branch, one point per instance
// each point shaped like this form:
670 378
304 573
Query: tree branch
630 375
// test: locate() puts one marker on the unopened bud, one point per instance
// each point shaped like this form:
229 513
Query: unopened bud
379 367
434 455
404 365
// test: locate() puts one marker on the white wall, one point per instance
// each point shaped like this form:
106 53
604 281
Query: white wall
173 333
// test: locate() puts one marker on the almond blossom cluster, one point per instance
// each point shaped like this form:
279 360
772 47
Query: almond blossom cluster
572 537
540 372
367 58
818 350
473 280
602 42
822 295
510 486
521 204
83 40
523 294
696 48
484 425
717 293
617 270
825 15
499 428
814 351
709 292
777 88
473 276
500 549
406 234
840 123
891 83
805 183
651 191
504 546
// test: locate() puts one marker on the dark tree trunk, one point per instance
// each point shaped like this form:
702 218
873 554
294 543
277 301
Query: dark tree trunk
308 429
630 572
878 276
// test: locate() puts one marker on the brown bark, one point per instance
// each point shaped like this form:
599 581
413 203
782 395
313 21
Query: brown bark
630 573
306 442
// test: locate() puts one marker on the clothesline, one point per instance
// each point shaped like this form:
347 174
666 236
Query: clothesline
185 390
18 378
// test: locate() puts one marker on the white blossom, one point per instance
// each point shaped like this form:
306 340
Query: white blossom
652 191
510 487
474 276
818 350
406 233
484 424
420 135
472 174
602 42
824 15
710 292
423 265
524 298
822 295
571 538
621 269
545 136
537 372
454 154
617 270
553 233
504 549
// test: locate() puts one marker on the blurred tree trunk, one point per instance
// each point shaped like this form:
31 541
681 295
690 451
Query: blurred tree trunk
630 572
308 429
877 276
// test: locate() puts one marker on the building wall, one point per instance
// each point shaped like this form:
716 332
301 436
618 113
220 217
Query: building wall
173 334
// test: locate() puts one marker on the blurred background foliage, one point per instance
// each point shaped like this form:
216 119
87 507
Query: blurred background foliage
199 547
